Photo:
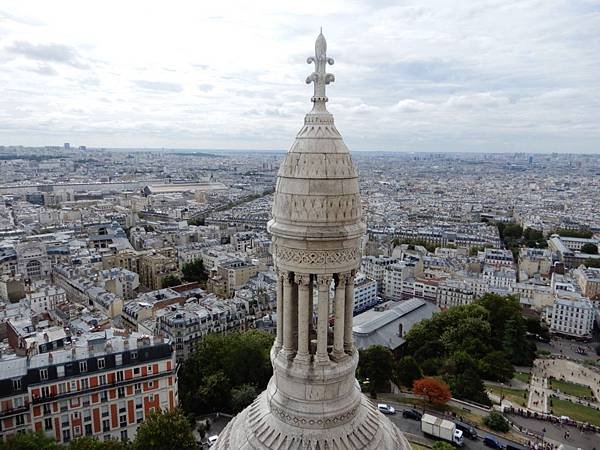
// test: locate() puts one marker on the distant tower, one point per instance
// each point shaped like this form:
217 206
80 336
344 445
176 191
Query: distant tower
67 146
313 400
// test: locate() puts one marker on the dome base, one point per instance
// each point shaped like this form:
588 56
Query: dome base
257 428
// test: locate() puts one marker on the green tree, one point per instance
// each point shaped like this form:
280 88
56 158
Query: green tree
475 249
165 430
407 371
495 366
513 231
592 262
171 280
376 363
496 422
29 441
589 248
585 234
461 373
242 396
500 309
520 350
195 271
215 392
240 358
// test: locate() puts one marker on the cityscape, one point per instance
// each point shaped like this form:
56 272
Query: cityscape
324 297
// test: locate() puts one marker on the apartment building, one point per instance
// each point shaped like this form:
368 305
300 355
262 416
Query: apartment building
589 281
102 387
452 293
573 316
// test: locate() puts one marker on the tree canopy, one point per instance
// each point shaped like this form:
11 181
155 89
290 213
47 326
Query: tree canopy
467 343
195 271
436 391
165 430
589 248
376 363
220 373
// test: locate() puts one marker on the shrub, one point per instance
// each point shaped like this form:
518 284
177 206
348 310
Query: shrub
496 422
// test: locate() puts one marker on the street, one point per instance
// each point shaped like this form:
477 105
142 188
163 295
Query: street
414 427
555 433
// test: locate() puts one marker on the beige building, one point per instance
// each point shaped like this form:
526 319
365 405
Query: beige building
589 281
152 267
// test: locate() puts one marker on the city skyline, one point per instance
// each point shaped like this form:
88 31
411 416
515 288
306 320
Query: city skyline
516 77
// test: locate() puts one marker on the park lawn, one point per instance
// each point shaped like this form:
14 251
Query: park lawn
516 396
522 376
575 411
574 389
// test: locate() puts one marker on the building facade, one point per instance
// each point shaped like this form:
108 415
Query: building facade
102 389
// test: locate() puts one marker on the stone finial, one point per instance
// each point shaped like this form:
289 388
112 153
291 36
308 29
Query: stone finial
320 77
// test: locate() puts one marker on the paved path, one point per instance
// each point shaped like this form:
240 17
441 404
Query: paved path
538 389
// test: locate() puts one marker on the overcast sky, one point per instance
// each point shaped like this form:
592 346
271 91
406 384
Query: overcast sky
410 75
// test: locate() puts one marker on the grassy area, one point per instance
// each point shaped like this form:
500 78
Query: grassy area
575 411
522 376
416 446
569 388
516 396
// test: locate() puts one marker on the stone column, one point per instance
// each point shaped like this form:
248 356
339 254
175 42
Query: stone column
339 330
304 286
348 339
288 329
279 337
324 282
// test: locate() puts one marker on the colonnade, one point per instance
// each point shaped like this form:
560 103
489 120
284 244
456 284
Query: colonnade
295 302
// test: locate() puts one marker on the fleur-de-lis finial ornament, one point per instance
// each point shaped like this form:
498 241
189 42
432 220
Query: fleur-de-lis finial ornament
320 77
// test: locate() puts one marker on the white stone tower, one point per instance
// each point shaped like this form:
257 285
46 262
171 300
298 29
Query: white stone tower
313 400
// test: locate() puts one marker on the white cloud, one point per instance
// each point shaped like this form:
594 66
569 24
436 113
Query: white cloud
187 74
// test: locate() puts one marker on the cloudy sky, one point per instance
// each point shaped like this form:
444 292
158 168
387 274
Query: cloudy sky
485 75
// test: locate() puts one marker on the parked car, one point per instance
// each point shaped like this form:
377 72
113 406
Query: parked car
469 431
386 409
492 442
212 440
412 414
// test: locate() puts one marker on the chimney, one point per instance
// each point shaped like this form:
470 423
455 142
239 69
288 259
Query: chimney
50 358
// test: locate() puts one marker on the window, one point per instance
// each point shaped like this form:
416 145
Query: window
121 392
138 403
136 371
60 371
103 396
16 384
73 385
47 424
105 425
62 388
124 435
47 409
45 391
66 435
118 360
20 419
88 429
84 383
150 384
101 363
133 355
83 366
119 375
149 369
105 411
64 420
87 416
102 380
123 420
138 388
139 416
77 431
43 374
